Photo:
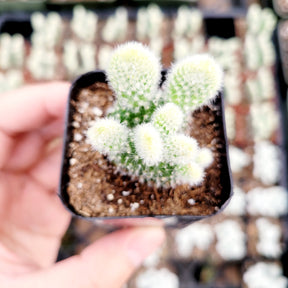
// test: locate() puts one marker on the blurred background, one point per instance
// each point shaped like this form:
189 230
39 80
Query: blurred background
246 245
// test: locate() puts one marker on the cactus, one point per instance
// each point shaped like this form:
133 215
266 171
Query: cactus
108 136
116 26
149 22
148 144
12 51
193 82
143 134
47 30
261 21
259 49
188 22
168 118
83 18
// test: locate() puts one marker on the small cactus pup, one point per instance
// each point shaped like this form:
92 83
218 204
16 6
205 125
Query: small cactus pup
146 142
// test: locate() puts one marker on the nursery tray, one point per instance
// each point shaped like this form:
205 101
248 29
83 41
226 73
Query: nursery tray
188 274
17 19
173 219
16 23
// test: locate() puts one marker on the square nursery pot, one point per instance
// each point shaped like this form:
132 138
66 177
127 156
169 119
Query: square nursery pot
91 187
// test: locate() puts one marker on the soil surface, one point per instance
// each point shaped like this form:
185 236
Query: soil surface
95 189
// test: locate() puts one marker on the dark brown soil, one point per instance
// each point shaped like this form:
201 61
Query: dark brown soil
92 177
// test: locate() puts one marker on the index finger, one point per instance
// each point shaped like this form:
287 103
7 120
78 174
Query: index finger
32 107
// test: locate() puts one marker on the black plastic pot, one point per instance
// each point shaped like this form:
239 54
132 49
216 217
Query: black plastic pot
87 80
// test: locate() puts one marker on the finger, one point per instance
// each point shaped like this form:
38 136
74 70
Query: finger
108 262
130 222
47 171
7 145
33 106
53 130
35 233
24 153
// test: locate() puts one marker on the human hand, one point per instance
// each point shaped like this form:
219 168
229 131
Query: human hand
32 219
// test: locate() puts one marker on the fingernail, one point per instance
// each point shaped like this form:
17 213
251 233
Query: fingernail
143 243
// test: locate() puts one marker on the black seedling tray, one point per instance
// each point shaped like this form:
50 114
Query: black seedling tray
20 23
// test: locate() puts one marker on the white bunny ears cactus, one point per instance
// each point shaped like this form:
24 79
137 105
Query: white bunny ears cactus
143 135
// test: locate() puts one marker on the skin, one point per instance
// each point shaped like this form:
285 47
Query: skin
32 218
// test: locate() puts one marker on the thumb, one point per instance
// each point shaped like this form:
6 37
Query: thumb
108 262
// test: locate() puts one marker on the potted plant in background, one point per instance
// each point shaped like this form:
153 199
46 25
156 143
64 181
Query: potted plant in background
139 146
